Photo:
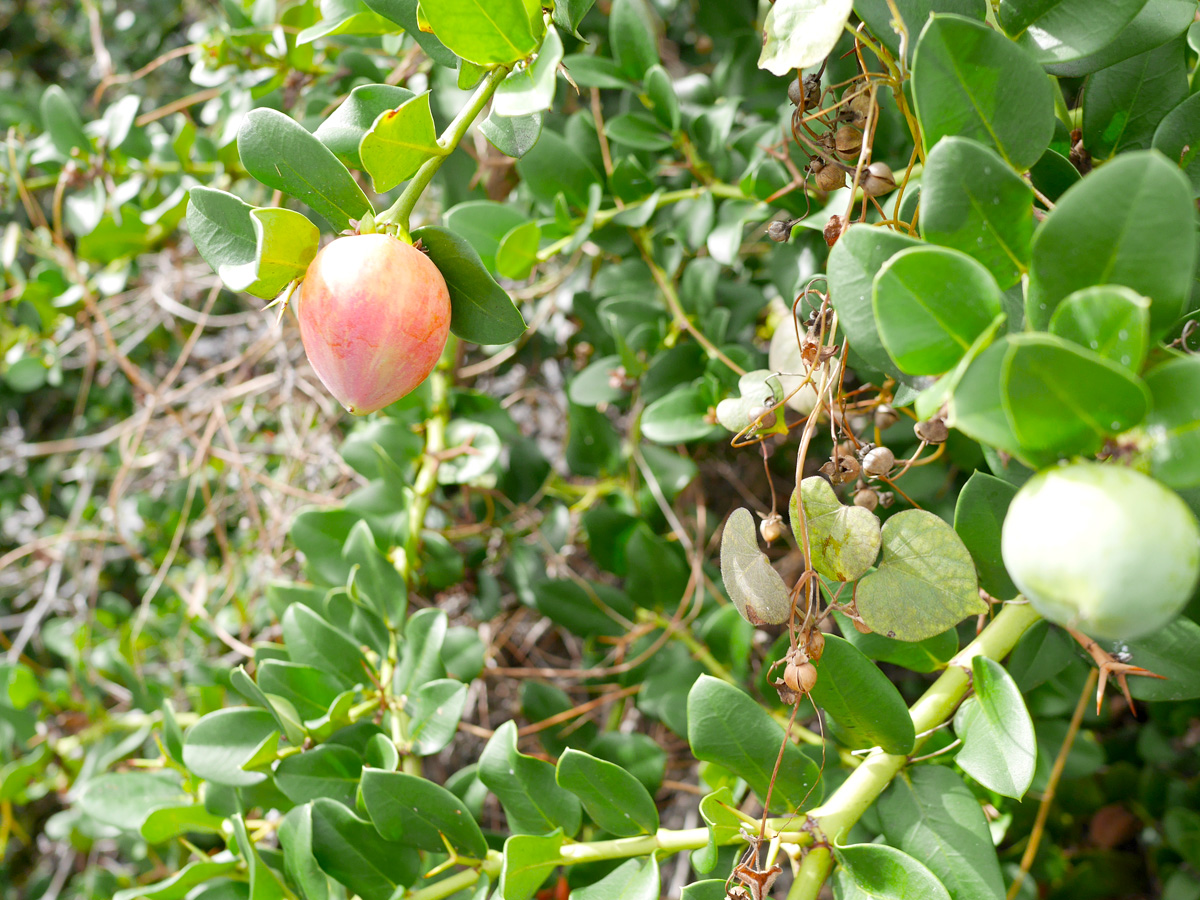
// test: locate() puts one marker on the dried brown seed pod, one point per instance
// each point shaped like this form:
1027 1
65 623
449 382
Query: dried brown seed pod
855 108
878 461
932 430
780 230
878 179
833 230
847 140
886 498
885 416
815 645
867 498
861 627
830 178
800 678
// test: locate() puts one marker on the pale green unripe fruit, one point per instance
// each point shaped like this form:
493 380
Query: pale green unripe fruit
1102 548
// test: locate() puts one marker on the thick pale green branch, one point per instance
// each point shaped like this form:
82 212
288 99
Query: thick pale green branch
852 798
399 211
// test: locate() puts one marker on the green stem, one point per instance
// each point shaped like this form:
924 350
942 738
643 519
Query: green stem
936 705
435 443
399 211
604 216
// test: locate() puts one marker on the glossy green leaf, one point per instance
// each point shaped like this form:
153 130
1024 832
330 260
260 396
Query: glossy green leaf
637 130
634 879
530 89
930 305
932 816
313 641
418 813
925 582
1053 175
914 13
61 121
329 770
801 33
124 799
532 800
221 742
485 32
1173 425
264 884
434 711
880 872
353 853
1109 319
729 729
299 864
517 252
843 540
343 131
971 81
164 823
717 811
480 310
1173 652
484 223
757 389
867 707
569 13
929 655
309 690
977 404
853 262
1064 31
1155 23
1123 104
755 588
404 14
320 535
584 609
1042 652
179 884
973 202
283 155
285 243
978 517
663 101
631 32
553 166
614 799
398 142
421 653
376 580
512 136
345 17
1178 138
1130 222
528 861
1062 399
999 749
678 417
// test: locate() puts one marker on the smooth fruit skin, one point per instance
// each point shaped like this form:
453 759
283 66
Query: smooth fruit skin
374 317
1102 548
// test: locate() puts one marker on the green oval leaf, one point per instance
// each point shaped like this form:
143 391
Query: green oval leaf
615 800
1108 319
313 641
1129 222
532 800
867 707
528 860
1062 399
61 121
1173 652
1067 30
930 305
480 310
283 155
932 816
971 81
729 729
513 136
124 799
517 252
973 202
929 655
1173 424
1123 104
635 879
925 582
285 242
398 142
416 812
343 131
530 89
999 747
1178 138
801 33
353 853
221 742
843 540
756 589
330 770
1156 23
978 517
681 416
633 38
485 32
880 872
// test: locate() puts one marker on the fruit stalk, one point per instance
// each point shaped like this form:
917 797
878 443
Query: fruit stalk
399 211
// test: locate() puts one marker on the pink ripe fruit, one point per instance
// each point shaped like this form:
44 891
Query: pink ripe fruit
374 317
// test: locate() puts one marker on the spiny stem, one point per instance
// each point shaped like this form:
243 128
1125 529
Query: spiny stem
398 212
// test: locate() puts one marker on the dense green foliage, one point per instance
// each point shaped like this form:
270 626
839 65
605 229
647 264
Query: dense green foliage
842 285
